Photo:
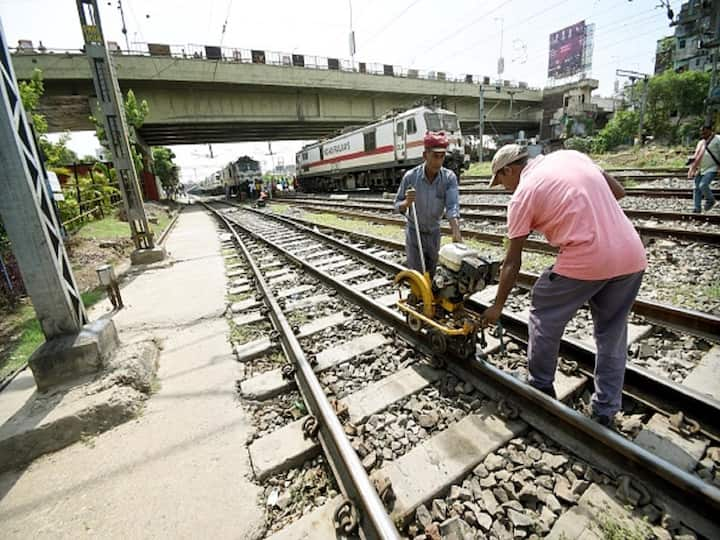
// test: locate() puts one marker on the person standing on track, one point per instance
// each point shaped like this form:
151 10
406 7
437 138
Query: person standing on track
601 261
434 190
704 167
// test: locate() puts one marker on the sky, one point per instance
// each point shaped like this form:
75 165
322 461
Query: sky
462 36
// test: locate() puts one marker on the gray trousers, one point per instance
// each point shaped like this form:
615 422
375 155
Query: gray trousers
431 248
555 300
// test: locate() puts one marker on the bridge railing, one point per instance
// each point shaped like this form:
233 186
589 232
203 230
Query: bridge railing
289 60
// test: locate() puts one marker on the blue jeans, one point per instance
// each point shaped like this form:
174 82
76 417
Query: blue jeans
702 190
431 248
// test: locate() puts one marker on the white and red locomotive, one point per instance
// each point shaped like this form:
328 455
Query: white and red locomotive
377 156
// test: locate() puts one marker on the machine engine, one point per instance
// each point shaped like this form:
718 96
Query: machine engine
462 272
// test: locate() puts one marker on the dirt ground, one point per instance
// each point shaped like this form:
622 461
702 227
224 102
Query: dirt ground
86 254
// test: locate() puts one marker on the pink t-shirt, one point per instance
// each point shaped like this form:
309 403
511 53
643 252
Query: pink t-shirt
565 197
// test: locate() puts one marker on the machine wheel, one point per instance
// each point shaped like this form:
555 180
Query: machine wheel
414 322
438 343
466 348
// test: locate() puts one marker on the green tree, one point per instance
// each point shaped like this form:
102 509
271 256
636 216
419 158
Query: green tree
166 170
30 93
621 129
56 154
673 100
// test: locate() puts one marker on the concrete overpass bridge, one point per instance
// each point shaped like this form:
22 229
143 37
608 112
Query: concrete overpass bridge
200 100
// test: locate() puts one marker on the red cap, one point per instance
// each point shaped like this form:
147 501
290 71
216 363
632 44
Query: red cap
436 141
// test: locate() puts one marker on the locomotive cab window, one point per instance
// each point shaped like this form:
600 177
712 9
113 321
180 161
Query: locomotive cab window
400 129
369 140
411 127
441 122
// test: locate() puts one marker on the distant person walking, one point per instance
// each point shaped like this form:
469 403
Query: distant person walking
704 167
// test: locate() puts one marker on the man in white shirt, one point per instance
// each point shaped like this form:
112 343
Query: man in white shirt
704 167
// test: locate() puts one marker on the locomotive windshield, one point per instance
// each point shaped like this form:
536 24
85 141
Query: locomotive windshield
441 122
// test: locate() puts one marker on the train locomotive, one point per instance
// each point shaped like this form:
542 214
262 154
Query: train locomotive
376 156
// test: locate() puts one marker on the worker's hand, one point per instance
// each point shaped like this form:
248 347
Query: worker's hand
409 197
491 315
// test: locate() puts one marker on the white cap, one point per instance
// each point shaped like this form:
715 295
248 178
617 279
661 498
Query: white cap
504 157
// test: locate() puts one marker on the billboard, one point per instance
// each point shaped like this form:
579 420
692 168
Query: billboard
567 51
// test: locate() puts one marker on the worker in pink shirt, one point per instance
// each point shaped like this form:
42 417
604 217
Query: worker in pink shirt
601 261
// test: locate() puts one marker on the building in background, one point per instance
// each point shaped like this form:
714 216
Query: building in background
696 22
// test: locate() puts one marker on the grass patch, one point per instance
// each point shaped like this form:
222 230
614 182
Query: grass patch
611 529
31 337
393 232
647 156
109 228
713 291
479 169
298 317
248 332
279 208
232 298
162 221
93 296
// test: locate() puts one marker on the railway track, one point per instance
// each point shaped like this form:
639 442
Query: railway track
660 193
357 209
632 214
485 432
622 174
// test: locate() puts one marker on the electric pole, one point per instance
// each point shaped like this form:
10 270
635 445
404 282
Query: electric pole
501 60
113 114
33 228
481 123
351 39
635 76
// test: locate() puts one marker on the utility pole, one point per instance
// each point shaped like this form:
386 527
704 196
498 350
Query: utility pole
481 123
501 60
124 26
72 347
635 76
113 114
351 39
272 165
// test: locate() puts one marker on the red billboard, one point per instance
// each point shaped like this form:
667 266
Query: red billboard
567 48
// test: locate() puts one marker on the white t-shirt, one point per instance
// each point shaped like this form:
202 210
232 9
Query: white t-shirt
707 163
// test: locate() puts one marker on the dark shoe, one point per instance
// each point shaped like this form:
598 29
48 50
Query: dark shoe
709 206
696 211
548 391
604 420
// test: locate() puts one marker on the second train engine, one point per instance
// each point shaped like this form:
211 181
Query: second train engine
377 156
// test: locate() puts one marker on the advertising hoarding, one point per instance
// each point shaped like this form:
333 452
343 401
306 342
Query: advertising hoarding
567 51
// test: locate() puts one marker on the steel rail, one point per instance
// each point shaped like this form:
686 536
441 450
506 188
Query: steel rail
383 204
374 520
629 192
685 494
697 323
707 237
492 238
